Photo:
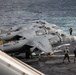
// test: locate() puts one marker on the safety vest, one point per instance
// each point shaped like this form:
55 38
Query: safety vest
66 51
70 29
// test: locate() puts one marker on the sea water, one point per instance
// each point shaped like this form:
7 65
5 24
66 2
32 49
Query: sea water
64 23
59 12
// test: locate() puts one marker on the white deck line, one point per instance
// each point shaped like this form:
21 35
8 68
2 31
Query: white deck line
71 55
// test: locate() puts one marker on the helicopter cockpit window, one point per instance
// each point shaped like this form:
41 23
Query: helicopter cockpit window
8 33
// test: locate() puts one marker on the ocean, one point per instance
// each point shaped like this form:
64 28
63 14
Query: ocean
64 23
59 12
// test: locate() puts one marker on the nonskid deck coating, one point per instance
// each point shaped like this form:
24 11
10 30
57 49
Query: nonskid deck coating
54 65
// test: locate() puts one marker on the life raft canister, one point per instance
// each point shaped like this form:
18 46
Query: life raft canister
1 42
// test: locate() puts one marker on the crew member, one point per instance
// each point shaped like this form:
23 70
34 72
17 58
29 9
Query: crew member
66 51
70 31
